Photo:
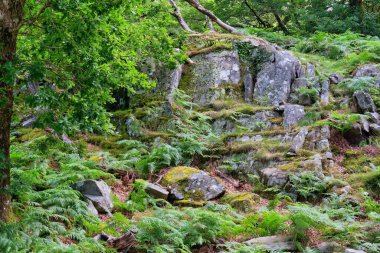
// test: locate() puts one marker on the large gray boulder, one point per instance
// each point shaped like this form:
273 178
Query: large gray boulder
203 183
293 114
192 184
98 192
272 177
210 73
369 70
274 80
364 102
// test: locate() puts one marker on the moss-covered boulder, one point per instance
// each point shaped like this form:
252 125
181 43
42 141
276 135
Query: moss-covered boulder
193 184
177 175
242 201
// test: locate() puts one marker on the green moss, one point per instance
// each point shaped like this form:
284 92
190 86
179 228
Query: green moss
356 161
277 120
29 134
244 201
190 203
265 133
370 181
177 175
334 182
293 166
228 109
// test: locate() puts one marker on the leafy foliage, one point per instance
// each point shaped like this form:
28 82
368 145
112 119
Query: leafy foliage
170 230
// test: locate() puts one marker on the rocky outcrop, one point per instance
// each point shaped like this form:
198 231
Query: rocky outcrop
275 79
98 192
364 102
298 141
210 74
192 184
369 70
293 114
272 177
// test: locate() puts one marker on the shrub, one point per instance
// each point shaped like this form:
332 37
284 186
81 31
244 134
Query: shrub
307 185
171 230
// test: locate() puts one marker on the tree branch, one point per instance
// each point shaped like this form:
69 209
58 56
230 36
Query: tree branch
203 10
261 21
177 14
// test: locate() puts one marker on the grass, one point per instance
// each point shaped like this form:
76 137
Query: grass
279 130
271 145
225 109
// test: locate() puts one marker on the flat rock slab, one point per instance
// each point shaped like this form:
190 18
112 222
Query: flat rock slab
156 191
271 243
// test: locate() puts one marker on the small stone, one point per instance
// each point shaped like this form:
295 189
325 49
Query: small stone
98 192
323 145
175 194
245 138
335 78
353 251
375 129
329 155
298 141
258 138
365 123
374 117
156 191
328 247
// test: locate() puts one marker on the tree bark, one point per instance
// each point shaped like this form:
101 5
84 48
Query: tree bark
177 14
281 23
203 10
11 14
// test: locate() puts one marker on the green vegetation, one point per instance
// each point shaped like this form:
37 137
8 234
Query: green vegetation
91 90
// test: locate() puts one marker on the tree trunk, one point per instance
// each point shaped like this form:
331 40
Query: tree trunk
281 23
259 19
203 10
11 13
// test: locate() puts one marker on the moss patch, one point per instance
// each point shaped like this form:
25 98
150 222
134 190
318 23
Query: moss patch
189 203
29 134
177 175
356 161
244 201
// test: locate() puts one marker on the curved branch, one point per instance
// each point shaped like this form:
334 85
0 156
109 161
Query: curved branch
177 14
203 10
